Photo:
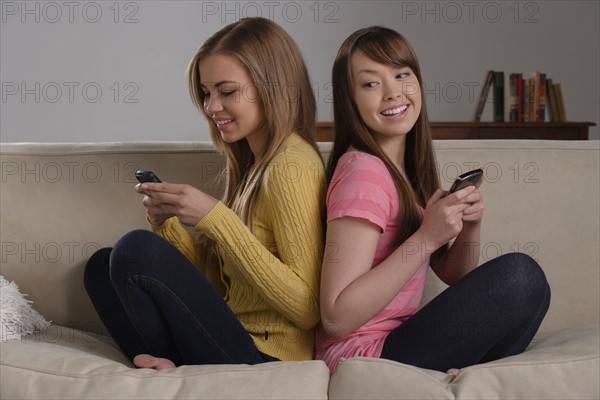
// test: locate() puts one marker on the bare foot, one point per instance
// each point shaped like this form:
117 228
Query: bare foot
453 371
148 361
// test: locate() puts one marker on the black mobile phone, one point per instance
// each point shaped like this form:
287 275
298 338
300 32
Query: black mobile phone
470 178
146 176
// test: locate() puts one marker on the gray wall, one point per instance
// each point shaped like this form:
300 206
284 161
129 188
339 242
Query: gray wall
106 71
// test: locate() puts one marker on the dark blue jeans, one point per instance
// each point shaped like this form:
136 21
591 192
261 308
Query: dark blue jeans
153 300
491 313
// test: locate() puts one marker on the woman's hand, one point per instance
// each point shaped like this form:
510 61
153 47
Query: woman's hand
444 215
463 256
165 200
474 213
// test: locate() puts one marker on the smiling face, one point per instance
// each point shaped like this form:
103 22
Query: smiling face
388 98
231 100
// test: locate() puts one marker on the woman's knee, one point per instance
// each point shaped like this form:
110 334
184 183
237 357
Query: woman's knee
135 252
523 267
138 238
133 246
524 276
96 269
128 250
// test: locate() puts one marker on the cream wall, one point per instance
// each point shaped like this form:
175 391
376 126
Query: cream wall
114 71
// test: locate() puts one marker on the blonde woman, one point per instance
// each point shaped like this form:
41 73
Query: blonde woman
232 281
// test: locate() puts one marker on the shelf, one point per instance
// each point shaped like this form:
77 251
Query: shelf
491 130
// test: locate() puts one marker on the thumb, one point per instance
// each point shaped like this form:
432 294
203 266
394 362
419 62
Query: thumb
438 194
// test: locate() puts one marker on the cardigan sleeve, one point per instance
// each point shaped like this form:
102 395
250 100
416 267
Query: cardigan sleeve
287 276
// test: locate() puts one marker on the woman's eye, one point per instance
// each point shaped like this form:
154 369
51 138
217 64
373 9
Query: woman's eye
229 93
402 75
369 85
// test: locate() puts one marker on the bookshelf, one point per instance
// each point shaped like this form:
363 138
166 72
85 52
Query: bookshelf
491 130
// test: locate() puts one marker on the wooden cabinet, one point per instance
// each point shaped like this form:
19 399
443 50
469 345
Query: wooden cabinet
491 130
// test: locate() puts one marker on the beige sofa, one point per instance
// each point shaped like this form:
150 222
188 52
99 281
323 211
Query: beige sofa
61 202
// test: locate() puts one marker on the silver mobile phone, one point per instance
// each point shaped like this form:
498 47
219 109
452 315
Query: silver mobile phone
146 176
470 178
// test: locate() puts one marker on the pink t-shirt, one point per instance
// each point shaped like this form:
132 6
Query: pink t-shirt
362 187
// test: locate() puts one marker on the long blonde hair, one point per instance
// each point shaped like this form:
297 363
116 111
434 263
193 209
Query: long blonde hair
277 69
390 48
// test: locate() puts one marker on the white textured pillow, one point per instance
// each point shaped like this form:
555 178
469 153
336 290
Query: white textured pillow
17 316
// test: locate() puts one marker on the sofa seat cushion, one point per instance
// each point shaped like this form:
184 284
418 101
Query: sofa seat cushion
563 364
64 363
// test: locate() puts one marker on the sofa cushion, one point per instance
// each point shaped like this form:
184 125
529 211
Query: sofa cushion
64 363
563 364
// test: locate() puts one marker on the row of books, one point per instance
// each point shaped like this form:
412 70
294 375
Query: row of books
519 99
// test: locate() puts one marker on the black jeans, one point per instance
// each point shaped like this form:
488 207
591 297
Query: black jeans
153 300
491 313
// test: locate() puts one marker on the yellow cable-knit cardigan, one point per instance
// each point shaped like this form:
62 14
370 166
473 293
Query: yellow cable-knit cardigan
269 278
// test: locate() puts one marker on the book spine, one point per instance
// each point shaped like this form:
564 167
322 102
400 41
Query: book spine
558 107
489 79
551 105
560 102
520 97
526 100
536 96
512 114
532 103
543 97
498 96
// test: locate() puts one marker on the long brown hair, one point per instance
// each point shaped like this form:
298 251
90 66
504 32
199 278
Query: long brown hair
388 47
275 64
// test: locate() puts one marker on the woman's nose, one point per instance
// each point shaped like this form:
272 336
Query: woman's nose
213 104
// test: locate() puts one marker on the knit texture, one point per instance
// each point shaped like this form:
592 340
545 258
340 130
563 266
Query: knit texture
17 317
270 277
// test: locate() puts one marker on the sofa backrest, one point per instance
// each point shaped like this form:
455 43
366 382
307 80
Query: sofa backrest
61 202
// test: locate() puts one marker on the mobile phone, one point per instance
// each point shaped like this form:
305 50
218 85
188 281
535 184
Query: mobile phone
146 176
470 178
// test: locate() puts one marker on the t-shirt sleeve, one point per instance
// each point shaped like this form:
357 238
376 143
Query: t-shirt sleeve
361 187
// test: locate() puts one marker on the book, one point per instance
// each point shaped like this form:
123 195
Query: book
513 104
560 103
551 101
519 95
539 96
485 89
515 93
536 97
543 97
528 101
498 92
